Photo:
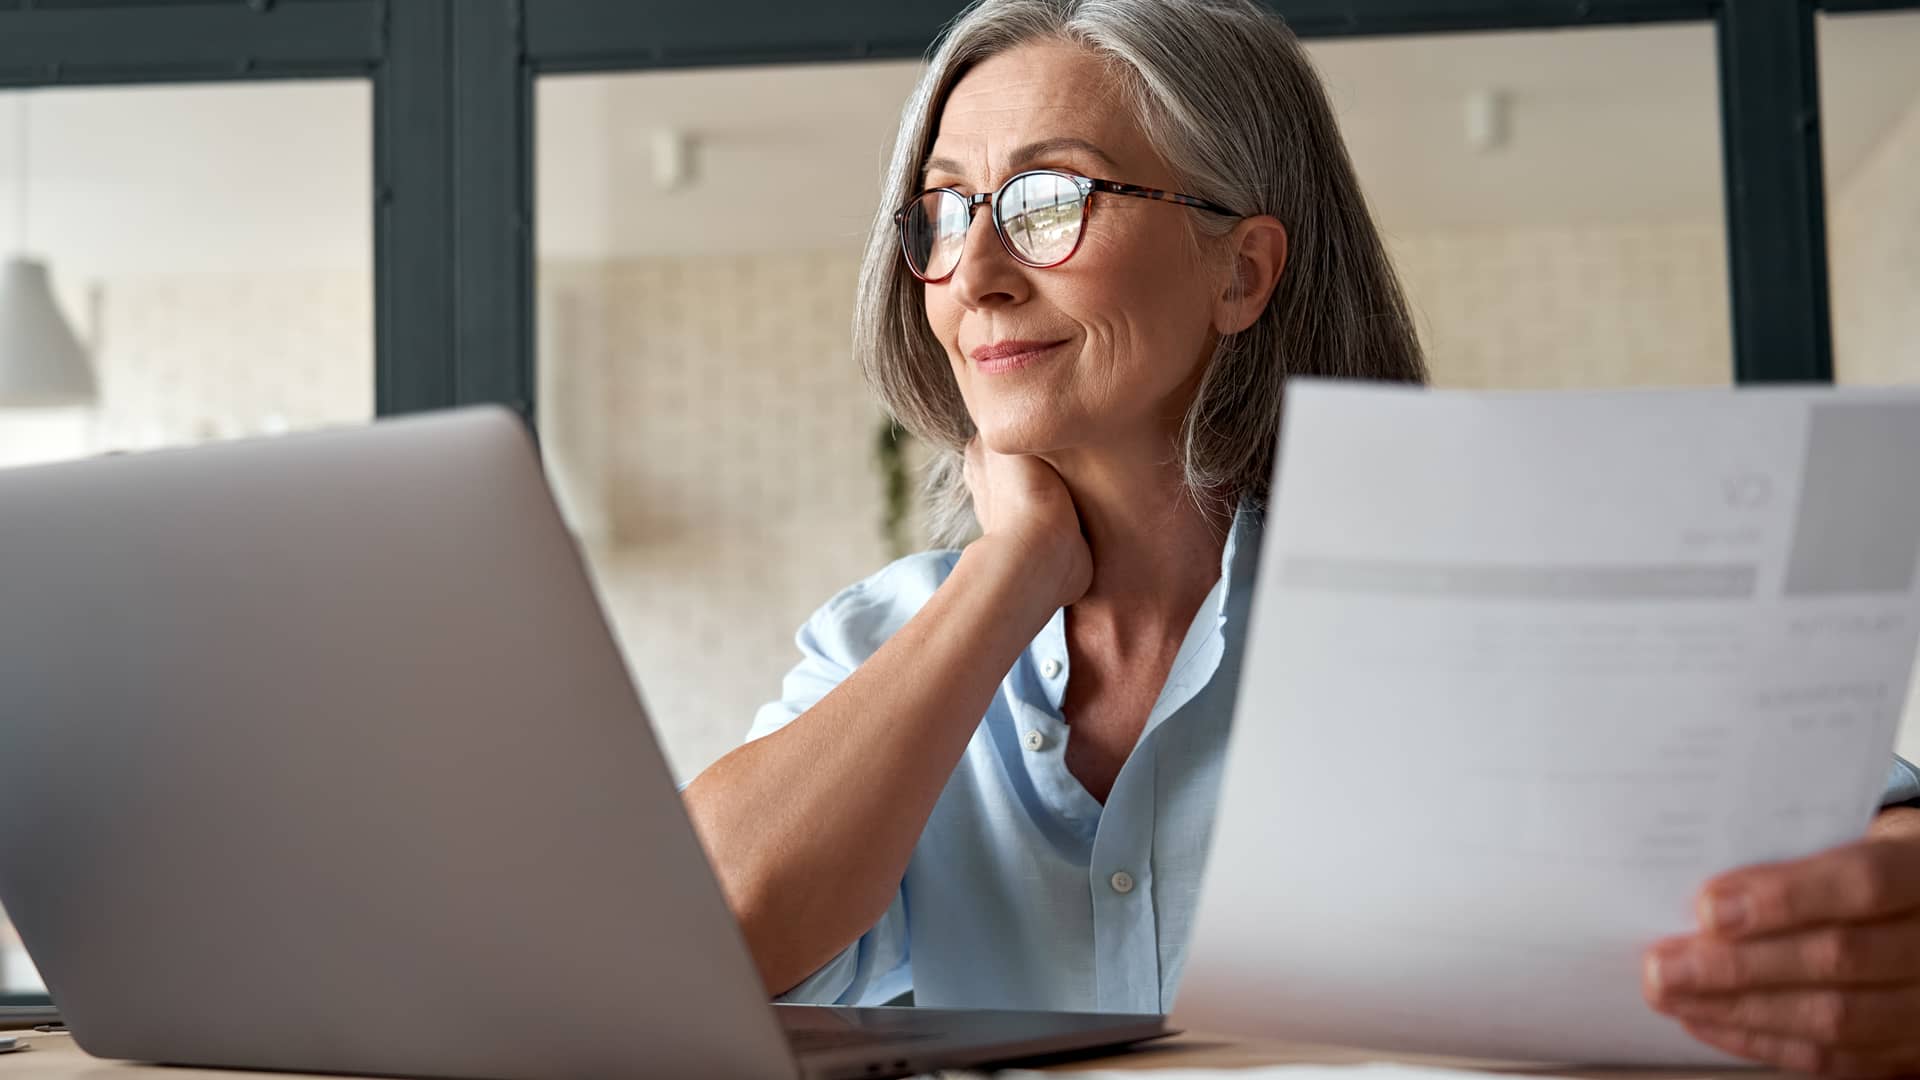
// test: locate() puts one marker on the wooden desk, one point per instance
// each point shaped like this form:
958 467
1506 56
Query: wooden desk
55 1057
1199 1051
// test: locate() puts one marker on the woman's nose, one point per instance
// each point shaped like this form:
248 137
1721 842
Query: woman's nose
987 273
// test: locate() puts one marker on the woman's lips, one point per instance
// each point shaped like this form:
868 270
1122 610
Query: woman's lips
1005 356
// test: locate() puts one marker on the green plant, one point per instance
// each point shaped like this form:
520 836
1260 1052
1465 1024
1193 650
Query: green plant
890 459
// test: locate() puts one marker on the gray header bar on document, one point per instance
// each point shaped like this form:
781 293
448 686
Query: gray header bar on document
1677 581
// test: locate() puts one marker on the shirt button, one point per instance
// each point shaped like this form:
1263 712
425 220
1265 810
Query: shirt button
1051 669
1121 881
1034 741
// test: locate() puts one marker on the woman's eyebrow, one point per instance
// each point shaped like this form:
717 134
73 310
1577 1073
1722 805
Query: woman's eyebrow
1046 148
939 164
1038 150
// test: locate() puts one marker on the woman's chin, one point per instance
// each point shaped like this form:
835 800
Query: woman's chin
1021 440
1023 427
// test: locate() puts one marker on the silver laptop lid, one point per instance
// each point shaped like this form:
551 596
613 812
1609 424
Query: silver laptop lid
319 756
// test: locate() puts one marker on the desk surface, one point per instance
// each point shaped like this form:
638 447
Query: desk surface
55 1057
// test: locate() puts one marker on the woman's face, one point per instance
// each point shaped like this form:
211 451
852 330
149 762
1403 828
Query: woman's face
1129 318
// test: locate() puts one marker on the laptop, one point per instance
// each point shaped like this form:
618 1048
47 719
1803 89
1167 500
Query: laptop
319 756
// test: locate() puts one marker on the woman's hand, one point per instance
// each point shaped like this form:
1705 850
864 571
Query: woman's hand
1023 504
1811 965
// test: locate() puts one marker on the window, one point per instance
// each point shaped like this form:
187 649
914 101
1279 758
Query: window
704 421
1555 222
212 249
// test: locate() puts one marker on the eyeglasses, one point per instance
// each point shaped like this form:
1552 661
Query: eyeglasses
1040 217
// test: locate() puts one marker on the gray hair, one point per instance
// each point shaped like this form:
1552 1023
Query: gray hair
1227 97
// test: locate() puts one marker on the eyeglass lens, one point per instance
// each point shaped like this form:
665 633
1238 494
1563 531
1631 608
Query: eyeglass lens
1039 215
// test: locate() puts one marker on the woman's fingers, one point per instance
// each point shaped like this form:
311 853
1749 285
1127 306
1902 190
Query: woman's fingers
1812 965
1840 1018
1801 1055
1024 504
1839 954
1870 879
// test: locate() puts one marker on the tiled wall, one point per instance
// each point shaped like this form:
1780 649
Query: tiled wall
189 358
1605 306
1874 238
713 436
196 357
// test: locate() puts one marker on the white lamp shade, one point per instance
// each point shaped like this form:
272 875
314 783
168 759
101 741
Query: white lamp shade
41 361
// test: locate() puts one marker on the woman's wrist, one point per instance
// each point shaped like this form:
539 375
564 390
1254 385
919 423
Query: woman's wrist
1017 574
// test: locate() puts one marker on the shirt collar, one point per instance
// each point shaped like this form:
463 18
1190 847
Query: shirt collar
1200 650
1243 533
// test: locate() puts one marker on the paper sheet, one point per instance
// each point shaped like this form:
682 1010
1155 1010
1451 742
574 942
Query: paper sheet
1526 669
1270 1072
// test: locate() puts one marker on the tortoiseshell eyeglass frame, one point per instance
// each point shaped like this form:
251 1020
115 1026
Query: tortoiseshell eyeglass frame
1087 186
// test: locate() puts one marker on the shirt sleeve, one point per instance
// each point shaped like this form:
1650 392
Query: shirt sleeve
837 638
1903 784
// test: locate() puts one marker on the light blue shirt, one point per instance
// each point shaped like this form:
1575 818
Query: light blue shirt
1024 892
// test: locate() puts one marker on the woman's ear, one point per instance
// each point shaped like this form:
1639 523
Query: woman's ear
1259 253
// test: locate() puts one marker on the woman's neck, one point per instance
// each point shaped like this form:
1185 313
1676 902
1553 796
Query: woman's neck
1156 554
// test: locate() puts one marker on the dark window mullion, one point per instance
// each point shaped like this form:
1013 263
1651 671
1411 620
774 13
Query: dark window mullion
1848 7
1776 213
1333 18
414 255
610 35
493 150
43 45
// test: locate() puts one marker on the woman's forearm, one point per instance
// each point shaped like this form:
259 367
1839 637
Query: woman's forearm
810 828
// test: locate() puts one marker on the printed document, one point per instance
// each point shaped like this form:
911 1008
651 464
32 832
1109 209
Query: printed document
1524 670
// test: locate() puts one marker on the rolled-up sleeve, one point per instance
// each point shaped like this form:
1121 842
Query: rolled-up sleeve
1903 784
833 642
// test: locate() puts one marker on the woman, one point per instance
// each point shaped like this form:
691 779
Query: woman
1171 227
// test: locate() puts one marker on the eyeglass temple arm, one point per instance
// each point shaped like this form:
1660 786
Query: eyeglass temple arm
1114 187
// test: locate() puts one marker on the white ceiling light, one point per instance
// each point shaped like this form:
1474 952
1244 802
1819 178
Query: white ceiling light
1488 119
672 159
42 363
